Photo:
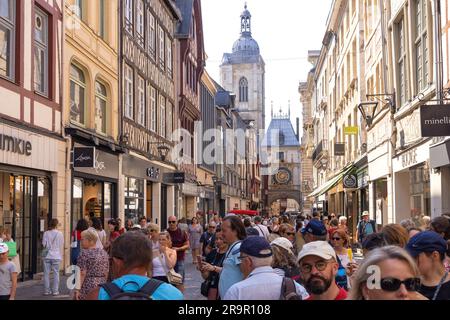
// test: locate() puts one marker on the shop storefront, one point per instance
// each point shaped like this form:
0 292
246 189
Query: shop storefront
95 189
148 191
412 184
30 165
440 177
190 195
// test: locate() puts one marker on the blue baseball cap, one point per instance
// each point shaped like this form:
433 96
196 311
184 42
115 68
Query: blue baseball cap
316 228
426 241
257 247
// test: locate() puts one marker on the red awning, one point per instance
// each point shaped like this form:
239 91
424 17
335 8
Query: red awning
246 212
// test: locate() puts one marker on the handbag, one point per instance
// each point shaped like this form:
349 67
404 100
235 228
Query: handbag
204 288
173 277
12 249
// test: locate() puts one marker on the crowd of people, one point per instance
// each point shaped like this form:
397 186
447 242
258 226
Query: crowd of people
243 258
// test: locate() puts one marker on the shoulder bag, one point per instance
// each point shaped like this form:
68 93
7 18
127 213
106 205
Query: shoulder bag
45 250
173 277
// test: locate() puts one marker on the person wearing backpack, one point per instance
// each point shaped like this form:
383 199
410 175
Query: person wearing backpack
365 227
131 255
261 281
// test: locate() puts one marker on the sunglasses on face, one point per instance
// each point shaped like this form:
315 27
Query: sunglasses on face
336 239
320 266
172 222
290 233
393 284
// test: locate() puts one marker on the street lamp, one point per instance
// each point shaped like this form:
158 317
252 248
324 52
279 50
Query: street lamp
368 110
163 151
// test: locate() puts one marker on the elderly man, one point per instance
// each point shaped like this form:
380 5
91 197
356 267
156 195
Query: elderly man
207 239
318 267
180 243
261 281
365 227
262 229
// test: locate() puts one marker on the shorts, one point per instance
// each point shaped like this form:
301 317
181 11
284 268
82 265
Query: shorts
179 268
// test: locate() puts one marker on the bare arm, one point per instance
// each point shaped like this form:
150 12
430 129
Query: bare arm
171 258
14 286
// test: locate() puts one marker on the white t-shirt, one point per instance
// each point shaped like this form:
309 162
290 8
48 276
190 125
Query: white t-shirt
53 240
262 230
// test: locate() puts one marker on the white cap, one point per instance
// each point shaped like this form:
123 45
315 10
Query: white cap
138 226
3 248
283 243
317 248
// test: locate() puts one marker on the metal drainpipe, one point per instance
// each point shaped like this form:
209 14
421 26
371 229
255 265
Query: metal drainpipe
438 50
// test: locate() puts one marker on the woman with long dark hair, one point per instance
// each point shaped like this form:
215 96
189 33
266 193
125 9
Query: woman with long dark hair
75 249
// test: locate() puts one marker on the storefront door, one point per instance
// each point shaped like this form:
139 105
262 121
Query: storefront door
30 214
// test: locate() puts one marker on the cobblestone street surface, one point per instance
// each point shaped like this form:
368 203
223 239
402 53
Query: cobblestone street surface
33 290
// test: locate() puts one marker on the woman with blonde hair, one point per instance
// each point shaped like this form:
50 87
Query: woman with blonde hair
387 273
284 261
93 263
153 230
164 258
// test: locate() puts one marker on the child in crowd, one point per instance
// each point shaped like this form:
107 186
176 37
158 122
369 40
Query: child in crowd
8 275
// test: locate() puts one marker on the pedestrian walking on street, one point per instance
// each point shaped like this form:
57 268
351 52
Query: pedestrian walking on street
314 231
429 249
287 231
8 275
207 237
93 263
261 281
113 233
53 244
195 233
97 226
365 227
398 273
122 230
319 267
180 243
441 225
262 229
129 224
75 249
339 241
154 232
13 254
371 242
233 232
212 266
274 228
131 256
334 225
164 258
284 260
343 223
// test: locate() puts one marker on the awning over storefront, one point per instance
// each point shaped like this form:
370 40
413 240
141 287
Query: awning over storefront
331 183
440 154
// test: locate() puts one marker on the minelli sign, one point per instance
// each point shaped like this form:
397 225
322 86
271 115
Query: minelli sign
15 145
435 120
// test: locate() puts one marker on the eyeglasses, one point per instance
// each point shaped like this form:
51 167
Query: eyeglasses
172 222
290 233
393 284
336 239
320 266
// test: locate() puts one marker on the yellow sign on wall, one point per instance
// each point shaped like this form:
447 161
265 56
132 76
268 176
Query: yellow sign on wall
352 131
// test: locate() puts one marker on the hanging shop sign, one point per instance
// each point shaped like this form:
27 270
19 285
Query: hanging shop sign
83 157
350 181
339 149
175 177
351 131
153 173
435 120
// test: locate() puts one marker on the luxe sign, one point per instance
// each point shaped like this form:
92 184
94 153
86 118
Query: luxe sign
435 120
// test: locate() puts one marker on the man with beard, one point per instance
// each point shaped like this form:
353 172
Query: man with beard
318 267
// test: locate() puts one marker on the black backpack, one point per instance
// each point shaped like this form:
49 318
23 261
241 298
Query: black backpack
288 290
145 293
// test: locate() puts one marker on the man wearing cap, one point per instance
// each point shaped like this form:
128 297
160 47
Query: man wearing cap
365 227
261 282
429 248
315 230
318 267
8 275
207 237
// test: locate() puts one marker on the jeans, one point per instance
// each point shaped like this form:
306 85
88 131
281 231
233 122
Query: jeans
51 265
179 268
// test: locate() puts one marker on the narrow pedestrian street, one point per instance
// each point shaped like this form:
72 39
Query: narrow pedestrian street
33 290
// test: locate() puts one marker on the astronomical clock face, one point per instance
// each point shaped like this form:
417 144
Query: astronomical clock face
283 176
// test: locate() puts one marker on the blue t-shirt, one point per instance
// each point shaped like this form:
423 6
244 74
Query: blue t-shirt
369 229
128 284
231 272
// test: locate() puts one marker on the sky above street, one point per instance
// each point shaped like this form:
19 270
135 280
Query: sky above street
284 29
